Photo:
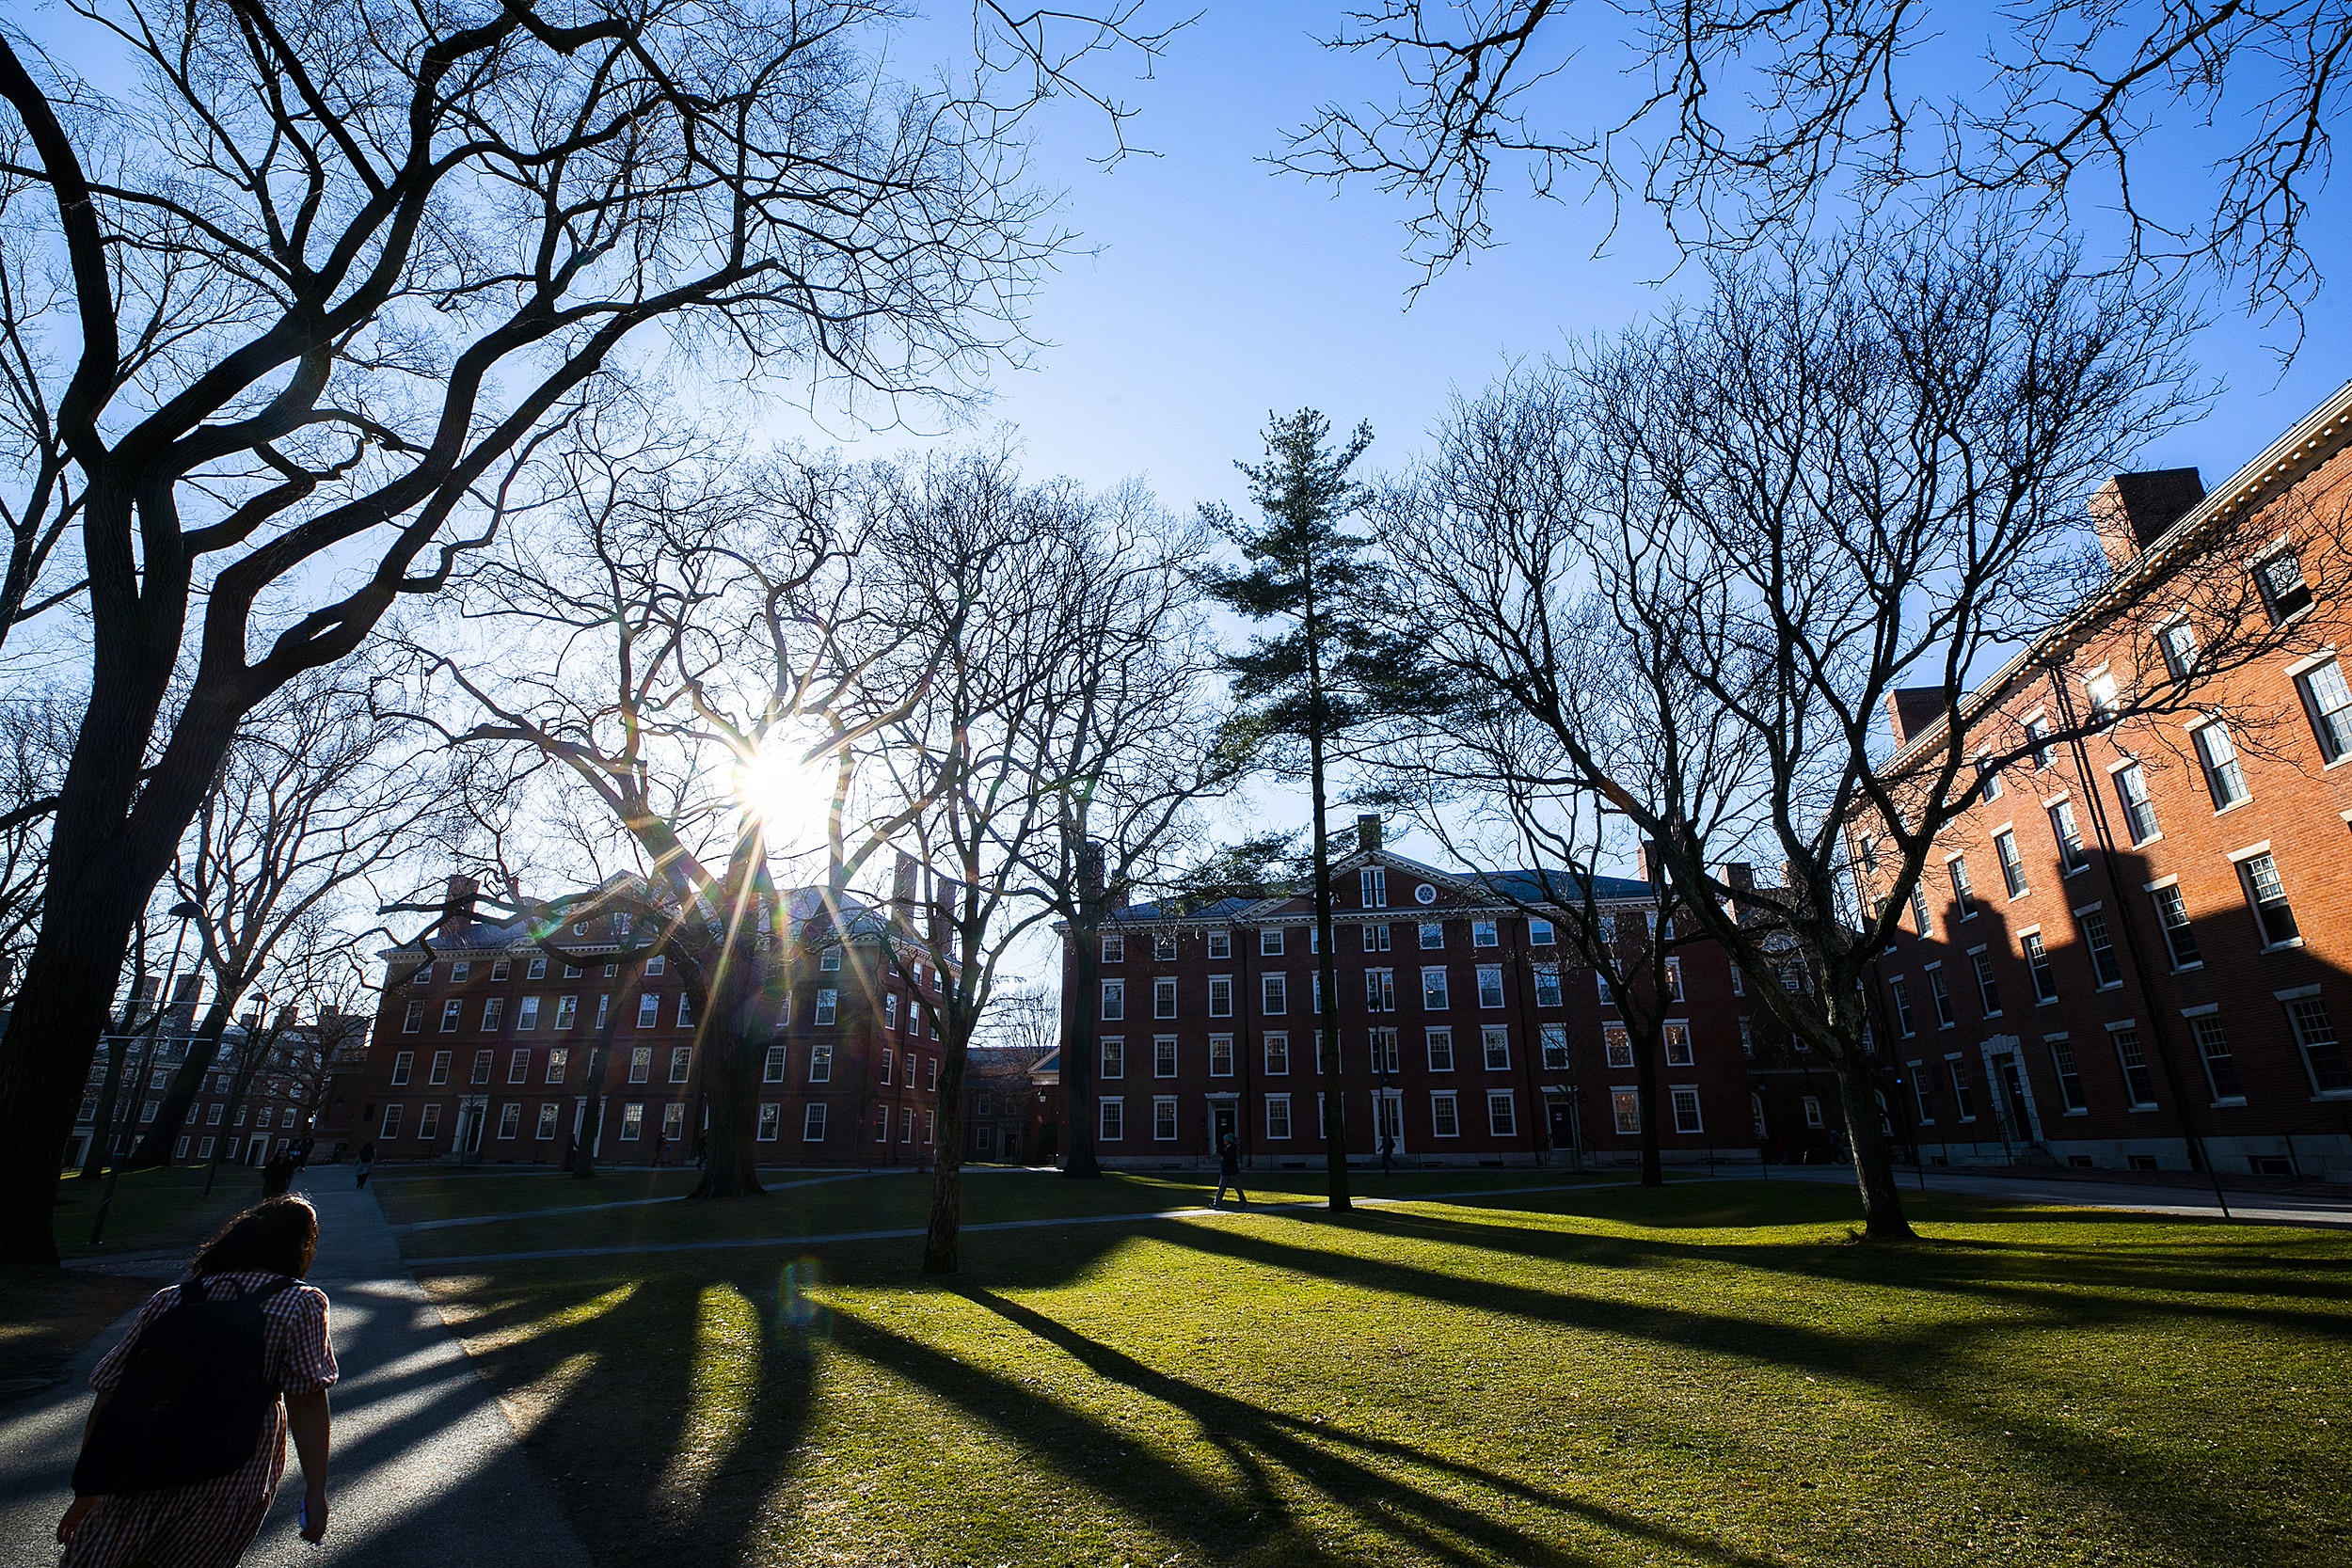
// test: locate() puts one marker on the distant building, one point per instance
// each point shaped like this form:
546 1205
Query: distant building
276 1106
2138 951
1011 1097
487 1049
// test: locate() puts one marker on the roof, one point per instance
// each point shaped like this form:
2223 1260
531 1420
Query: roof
1512 887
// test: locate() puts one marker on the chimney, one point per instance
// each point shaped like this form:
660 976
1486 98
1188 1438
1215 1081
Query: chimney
1913 708
2131 511
903 880
1368 831
1740 875
185 991
1652 870
251 1023
457 908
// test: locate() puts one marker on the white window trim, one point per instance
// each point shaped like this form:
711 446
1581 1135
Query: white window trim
2161 883
2248 852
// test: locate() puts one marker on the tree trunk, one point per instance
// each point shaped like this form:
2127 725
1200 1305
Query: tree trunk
735 1036
1079 1036
155 1149
1873 1164
941 1253
1645 1085
1326 958
94 1158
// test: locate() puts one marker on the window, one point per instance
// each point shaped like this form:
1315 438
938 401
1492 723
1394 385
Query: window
510 1119
1923 1092
2072 857
2101 947
482 1067
1747 1036
890 1010
2328 701
604 1008
422 977
2038 739
441 1067
882 1124
546 1129
2259 874
401 1064
828 1006
526 1016
2070 1082
1445 1117
1964 1092
1273 995
1686 1108
1433 998
1900 989
820 1062
771 1070
559 1063
1114 947
1384 1052
1495 1041
685 1009
1374 884
1548 986
1163 946
567 1012
1114 1058
1677 1044
812 1124
1278 1116
392 1121
2013 867
657 963
1674 980
1441 1050
2139 813
1987 991
1502 1113
1114 999
2099 689
1431 934
1988 780
212 1117
641 1064
1540 933
458 971
2225 778
1940 996
450 1011
1482 934
2212 1047
1164 1118
681 1061
537 968
1962 899
1618 1045
2038 964
1220 945
1919 909
649 1010
1627 1104
1490 985
1220 1055
2177 642
771 1121
428 1123
1381 991
1113 1124
2322 1053
1164 999
2172 915
1163 1057
1270 943
1555 1046
1278 1055
415 1020
2285 593
2138 1078
1378 939
829 961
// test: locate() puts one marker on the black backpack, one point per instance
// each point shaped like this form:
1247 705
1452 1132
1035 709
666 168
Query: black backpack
193 1402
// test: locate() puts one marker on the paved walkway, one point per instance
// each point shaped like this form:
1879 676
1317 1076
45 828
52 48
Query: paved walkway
426 1471
2246 1208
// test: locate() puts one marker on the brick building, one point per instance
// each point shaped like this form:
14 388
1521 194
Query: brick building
486 1047
2140 947
1467 1031
1010 1098
277 1105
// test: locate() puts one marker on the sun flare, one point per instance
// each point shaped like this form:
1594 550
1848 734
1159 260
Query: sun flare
783 791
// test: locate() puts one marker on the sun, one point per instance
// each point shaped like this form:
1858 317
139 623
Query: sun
781 789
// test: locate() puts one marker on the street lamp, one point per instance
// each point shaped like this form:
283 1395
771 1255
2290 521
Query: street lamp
183 911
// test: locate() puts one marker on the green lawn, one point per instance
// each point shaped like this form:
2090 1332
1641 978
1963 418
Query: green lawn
1709 1374
154 1210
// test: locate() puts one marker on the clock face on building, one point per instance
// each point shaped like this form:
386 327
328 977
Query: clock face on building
1425 893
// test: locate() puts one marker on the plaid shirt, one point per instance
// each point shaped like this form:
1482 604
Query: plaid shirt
209 1523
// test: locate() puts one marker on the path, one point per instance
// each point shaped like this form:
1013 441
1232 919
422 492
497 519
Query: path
2246 1208
505 1217
426 1471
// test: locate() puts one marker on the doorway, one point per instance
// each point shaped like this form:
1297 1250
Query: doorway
1224 1122
470 1117
2017 1109
1388 1120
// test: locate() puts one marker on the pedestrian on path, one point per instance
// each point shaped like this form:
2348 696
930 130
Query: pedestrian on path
1388 1150
1229 1171
186 1440
367 1161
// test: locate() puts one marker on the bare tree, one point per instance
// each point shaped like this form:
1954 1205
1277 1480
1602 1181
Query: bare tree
333 267
319 795
1743 118
1025 1021
1862 472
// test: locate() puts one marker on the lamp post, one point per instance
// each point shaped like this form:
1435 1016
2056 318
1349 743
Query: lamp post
183 911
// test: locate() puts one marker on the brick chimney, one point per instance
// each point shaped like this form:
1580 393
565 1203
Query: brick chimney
903 875
1913 708
2131 511
1368 831
187 991
457 908
1740 875
1653 870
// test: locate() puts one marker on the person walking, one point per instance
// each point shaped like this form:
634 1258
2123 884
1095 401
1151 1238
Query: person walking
1388 1151
186 1439
1229 1172
367 1161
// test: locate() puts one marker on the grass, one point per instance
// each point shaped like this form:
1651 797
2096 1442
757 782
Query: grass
46 1315
154 1210
1709 1375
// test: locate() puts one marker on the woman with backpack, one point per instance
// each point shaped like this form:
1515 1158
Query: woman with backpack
186 1440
